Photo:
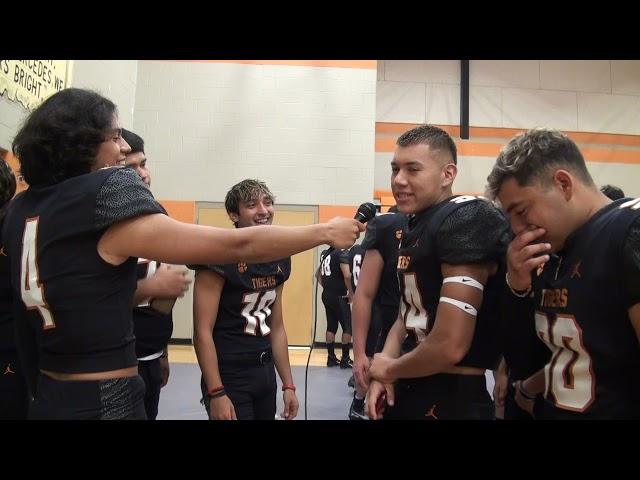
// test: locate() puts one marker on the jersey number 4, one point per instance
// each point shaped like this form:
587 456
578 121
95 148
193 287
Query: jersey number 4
30 286
413 312
257 308
569 374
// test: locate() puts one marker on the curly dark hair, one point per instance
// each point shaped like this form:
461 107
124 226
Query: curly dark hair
7 183
60 139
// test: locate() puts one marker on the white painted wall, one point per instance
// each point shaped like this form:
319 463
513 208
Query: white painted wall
307 131
586 96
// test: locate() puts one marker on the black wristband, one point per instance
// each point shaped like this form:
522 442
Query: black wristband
219 393
524 393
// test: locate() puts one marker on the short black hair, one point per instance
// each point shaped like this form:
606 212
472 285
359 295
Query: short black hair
430 135
613 192
134 140
60 138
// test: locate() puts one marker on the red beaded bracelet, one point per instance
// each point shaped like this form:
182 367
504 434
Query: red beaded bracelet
288 386
216 389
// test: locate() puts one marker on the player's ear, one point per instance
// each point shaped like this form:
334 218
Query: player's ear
564 181
449 172
234 217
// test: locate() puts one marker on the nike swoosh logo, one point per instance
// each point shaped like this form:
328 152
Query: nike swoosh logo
465 280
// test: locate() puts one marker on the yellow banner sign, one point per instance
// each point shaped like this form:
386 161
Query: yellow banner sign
30 82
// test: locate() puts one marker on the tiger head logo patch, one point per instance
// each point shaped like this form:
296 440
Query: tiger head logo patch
242 267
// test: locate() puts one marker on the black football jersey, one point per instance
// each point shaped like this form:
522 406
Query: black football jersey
355 258
152 328
330 273
7 341
459 230
77 305
581 301
384 233
522 349
244 312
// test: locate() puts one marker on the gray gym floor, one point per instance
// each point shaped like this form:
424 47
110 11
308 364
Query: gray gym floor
329 395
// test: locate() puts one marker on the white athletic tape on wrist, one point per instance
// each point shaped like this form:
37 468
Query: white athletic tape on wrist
465 281
465 307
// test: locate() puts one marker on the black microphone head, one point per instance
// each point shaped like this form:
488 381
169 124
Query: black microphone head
365 212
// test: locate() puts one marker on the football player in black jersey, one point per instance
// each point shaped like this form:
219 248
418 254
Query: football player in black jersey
435 356
158 284
13 390
350 265
575 261
375 307
239 332
73 239
335 277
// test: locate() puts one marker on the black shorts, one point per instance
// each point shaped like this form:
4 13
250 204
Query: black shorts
151 374
250 383
112 399
441 397
14 399
338 312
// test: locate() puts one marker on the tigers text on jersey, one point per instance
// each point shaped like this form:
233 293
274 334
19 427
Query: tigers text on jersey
384 234
581 301
152 329
249 291
78 305
459 230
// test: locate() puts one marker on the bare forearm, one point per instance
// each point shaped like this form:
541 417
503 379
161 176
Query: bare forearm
144 291
207 359
393 344
430 357
360 321
535 383
280 348
161 238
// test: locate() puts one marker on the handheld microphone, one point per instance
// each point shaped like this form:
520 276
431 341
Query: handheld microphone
365 212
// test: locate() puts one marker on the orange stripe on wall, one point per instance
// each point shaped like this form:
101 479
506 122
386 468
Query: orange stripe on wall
508 133
476 149
603 155
365 64
184 211
327 212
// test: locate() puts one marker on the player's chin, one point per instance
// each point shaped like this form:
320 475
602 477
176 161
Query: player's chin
405 205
